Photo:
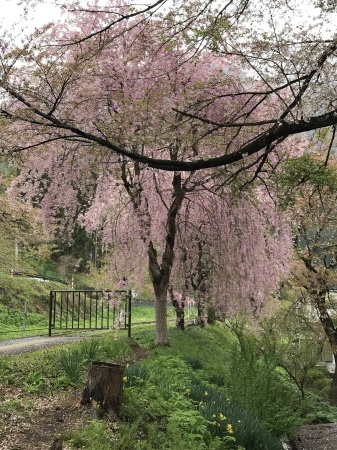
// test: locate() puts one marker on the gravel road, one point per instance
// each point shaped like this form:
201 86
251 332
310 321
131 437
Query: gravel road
19 345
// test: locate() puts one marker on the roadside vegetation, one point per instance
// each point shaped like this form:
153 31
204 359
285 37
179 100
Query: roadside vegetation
213 388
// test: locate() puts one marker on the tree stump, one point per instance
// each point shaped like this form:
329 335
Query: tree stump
105 386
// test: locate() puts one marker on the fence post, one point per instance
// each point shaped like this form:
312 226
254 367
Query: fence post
129 313
50 313
24 318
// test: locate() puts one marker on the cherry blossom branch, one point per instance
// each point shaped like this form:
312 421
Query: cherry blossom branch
281 129
115 22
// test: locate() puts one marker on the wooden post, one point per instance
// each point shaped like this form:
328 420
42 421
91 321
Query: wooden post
105 386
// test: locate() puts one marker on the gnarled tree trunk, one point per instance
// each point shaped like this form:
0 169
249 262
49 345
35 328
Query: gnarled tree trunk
160 273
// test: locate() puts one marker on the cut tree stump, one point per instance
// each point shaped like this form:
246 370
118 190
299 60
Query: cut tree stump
105 386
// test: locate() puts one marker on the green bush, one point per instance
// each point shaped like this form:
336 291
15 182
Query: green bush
316 410
256 384
194 362
72 362
318 381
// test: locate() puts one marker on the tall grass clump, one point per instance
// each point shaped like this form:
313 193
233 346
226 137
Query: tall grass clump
135 375
72 362
76 358
228 419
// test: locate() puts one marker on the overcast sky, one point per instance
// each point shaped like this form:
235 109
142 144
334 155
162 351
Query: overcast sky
11 14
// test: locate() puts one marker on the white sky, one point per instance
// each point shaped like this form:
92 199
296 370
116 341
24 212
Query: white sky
11 15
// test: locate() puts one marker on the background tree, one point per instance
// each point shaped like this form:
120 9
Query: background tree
232 251
309 186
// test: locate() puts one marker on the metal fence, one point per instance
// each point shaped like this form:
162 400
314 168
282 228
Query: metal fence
89 310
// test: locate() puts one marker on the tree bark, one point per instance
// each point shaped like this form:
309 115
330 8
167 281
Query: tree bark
161 316
179 309
160 273
105 386
201 310
333 387
331 333
319 296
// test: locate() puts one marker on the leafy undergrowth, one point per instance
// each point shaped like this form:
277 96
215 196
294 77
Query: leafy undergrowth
199 393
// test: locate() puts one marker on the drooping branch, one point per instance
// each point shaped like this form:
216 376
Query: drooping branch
279 131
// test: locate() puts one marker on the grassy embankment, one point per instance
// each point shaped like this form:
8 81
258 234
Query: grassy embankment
24 301
24 306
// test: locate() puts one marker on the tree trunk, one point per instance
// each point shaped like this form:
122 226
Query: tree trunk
105 386
161 314
180 314
201 310
179 308
331 333
333 387
211 316
160 272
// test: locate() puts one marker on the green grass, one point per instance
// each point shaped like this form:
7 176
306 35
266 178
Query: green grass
96 435
147 314
183 397
20 294
12 322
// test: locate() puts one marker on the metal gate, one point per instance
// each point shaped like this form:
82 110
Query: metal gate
89 310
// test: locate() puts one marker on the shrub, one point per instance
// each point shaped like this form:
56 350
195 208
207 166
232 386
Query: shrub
194 362
257 385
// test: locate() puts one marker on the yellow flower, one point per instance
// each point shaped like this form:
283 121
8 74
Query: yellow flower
222 417
187 391
230 429
206 393
125 379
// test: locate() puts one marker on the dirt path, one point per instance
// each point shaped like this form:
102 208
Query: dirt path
318 437
18 345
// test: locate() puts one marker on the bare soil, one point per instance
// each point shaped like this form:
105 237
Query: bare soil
44 421
317 437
